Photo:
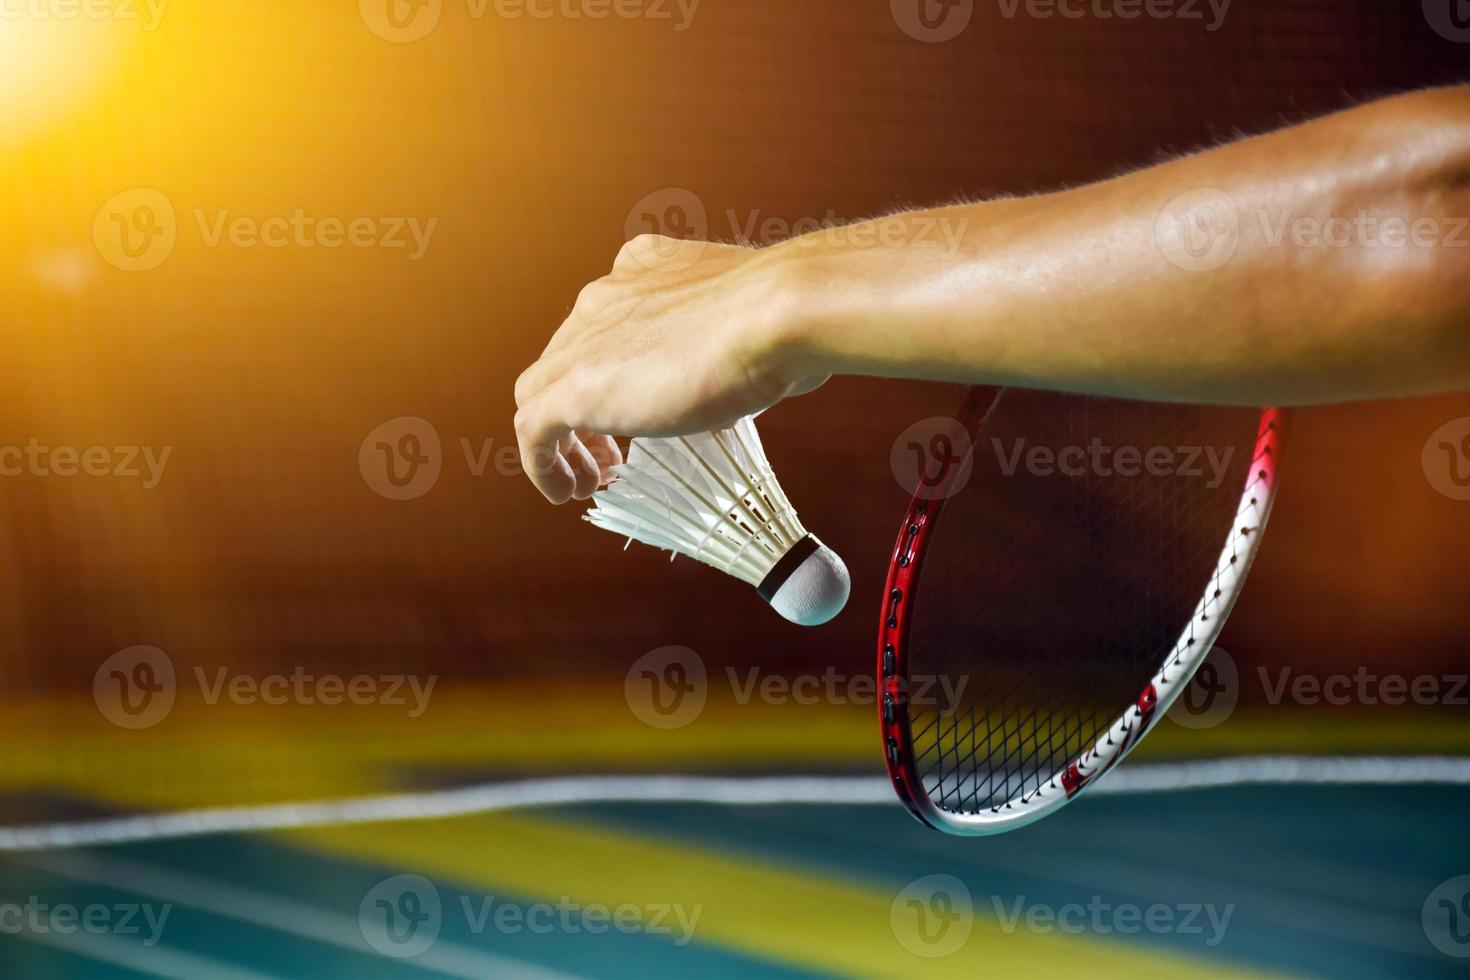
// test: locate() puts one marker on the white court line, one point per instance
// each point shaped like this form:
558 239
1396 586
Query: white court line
272 912
1287 770
728 791
155 961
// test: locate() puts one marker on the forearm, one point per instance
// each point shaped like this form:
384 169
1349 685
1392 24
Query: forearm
1343 272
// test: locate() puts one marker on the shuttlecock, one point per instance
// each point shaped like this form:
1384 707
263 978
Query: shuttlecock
714 498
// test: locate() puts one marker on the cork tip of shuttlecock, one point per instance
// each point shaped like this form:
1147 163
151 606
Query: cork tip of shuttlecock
815 591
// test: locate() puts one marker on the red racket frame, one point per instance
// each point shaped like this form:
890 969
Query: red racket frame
904 570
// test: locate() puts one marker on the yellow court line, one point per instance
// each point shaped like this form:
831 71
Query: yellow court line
224 755
748 905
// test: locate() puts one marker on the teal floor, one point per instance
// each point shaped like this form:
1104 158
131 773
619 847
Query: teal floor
1323 882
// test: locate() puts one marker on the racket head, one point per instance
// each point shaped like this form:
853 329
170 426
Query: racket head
1036 624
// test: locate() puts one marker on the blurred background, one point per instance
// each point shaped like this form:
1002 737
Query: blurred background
245 247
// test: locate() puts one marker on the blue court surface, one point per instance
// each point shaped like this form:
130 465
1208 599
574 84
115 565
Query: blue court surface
1348 881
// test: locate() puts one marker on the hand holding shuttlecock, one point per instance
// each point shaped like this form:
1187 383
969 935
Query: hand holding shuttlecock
714 498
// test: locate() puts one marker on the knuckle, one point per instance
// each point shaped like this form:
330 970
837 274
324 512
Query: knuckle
647 240
643 248
592 295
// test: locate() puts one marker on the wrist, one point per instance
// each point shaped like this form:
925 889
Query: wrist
800 286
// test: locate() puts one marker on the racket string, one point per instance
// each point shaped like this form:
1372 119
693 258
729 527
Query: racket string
1132 554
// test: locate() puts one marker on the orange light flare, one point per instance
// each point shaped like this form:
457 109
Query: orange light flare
50 61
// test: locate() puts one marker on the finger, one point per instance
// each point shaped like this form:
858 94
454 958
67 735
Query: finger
587 474
605 451
538 436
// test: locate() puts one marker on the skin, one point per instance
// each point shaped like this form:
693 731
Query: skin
1339 271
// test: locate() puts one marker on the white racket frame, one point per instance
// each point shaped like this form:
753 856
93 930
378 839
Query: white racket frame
1190 651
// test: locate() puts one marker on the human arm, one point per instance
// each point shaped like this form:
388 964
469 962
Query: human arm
1345 276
